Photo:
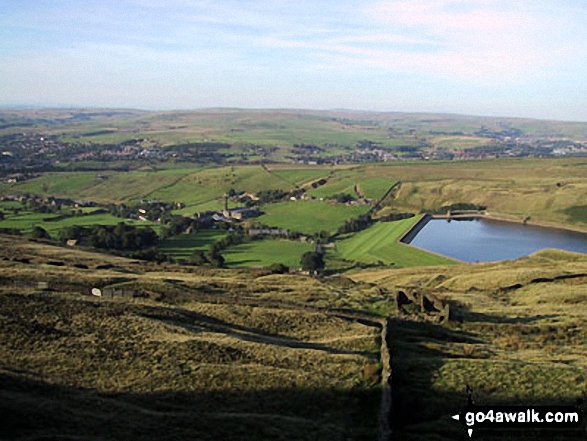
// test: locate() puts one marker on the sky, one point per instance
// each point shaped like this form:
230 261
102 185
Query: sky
525 58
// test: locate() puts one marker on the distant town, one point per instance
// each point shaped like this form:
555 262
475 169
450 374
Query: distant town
23 154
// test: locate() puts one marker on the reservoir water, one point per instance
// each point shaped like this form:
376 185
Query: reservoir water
487 240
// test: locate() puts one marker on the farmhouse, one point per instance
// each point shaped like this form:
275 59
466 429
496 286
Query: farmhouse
241 213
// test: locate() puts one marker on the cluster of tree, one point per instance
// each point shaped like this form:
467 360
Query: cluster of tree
367 145
211 257
356 224
233 238
342 198
177 224
268 196
320 237
506 132
460 206
121 237
149 210
364 221
395 217
313 262
40 233
43 208
319 183
408 148
278 268
306 149
200 152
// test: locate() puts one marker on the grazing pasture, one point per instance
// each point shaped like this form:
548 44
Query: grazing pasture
266 252
379 243
184 245
310 216
26 220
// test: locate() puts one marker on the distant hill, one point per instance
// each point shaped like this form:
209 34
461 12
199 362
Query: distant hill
290 135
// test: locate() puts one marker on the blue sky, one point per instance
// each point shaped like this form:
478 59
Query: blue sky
484 57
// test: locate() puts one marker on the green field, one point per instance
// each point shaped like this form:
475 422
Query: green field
265 252
204 190
546 190
198 188
379 243
310 216
356 182
299 176
374 188
25 221
184 245
99 187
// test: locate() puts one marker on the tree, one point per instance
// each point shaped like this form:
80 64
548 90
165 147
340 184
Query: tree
312 261
40 233
322 236
198 258
215 259
343 198
278 268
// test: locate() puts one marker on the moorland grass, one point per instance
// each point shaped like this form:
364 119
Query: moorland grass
77 366
512 346
519 346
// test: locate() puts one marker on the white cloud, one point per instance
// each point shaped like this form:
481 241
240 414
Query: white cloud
482 40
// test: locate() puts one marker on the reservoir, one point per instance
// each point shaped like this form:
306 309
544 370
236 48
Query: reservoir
488 240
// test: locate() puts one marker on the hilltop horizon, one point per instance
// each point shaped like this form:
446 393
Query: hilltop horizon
24 107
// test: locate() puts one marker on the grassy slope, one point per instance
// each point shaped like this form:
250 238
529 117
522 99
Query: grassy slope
371 182
25 221
545 189
518 346
309 216
380 243
78 367
300 176
207 187
522 346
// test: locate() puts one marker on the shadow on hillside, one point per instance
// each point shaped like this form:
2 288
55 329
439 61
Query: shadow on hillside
197 322
421 409
355 265
462 313
33 410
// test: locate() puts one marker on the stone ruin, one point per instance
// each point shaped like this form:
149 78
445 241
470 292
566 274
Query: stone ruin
410 301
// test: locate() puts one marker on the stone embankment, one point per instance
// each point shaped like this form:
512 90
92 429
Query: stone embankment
385 409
